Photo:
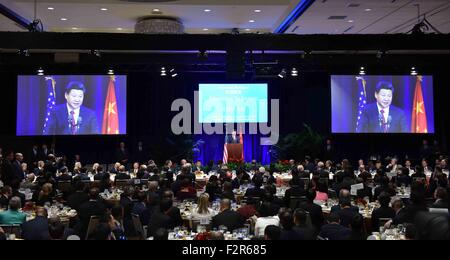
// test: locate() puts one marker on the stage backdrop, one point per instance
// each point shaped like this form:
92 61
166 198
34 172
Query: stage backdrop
39 96
351 95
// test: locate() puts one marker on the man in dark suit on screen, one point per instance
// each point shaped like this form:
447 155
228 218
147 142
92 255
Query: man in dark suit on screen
382 117
72 118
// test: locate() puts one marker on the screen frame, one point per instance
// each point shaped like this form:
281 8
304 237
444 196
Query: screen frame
72 136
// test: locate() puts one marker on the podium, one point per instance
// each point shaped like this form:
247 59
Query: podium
235 152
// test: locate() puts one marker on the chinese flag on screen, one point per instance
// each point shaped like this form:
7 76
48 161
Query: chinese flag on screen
110 124
419 117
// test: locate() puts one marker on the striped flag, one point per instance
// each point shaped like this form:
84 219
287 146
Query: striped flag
362 98
51 99
225 151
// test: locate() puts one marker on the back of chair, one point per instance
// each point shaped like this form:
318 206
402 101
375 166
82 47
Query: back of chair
295 201
12 229
122 183
65 186
93 223
382 222
138 226
195 223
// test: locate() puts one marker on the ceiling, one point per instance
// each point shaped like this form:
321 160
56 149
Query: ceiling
356 16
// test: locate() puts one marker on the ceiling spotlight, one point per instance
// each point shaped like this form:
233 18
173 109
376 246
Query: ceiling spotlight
104 9
63 19
110 72
50 8
351 21
362 71
163 72
257 11
40 71
414 72
202 55
207 10
251 21
95 53
380 54
173 73
24 53
282 74
294 72
368 10
119 29
205 29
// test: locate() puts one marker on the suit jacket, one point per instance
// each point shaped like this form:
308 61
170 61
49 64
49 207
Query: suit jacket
76 199
36 229
86 210
18 173
158 220
335 232
315 212
231 219
58 122
370 120
230 139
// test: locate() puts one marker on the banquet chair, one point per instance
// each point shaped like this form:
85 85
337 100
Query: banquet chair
12 229
93 223
140 229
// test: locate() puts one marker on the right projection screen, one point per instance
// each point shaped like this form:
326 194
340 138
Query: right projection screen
382 104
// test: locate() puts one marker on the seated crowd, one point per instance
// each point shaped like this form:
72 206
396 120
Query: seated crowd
154 200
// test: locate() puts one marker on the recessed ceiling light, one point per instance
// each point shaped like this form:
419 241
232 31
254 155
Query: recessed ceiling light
251 21
207 10
63 19
205 29
257 11
156 10
368 10
104 9
74 28
119 29
50 8
247 30
351 21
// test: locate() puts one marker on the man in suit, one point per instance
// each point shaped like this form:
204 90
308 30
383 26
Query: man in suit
233 138
72 118
36 229
17 166
93 207
76 199
160 218
227 217
315 211
334 230
122 154
382 116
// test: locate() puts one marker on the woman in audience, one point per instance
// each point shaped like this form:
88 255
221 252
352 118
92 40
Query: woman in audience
115 223
203 211
322 190
228 191
45 195
266 217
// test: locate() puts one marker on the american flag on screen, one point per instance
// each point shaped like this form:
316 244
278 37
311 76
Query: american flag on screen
362 100
51 99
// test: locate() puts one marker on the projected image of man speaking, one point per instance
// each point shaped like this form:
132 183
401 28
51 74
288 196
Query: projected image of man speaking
72 118
382 116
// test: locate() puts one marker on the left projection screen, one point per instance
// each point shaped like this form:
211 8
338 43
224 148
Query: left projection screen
71 105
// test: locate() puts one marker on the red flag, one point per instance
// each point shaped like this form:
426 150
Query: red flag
110 124
419 117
